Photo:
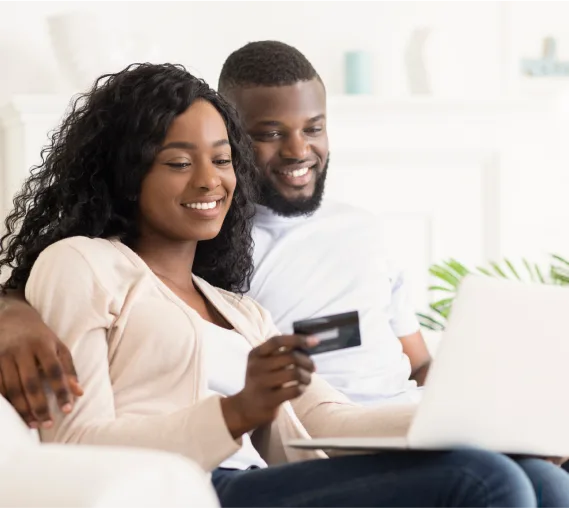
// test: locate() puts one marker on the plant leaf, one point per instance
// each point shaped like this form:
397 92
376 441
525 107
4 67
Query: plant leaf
444 302
458 268
560 259
445 275
540 276
512 269
529 269
442 307
560 276
498 270
441 288
430 323
485 271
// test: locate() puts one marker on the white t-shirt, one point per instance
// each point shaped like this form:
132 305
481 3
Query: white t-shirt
226 363
333 262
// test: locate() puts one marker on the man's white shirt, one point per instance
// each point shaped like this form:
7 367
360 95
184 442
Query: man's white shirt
333 262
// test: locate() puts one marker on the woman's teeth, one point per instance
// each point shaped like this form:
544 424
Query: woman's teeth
201 206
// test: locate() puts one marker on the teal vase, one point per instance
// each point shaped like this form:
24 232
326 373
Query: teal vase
359 72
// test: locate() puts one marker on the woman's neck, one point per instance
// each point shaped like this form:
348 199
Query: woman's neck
168 259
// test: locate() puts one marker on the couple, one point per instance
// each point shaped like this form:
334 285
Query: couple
301 244
152 172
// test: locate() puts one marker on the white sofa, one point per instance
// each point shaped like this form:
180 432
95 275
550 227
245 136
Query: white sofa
45 475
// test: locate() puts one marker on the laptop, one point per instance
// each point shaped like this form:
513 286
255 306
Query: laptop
498 380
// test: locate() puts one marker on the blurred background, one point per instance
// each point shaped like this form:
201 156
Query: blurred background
448 119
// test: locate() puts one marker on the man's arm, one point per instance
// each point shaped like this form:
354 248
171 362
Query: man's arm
415 348
405 324
29 355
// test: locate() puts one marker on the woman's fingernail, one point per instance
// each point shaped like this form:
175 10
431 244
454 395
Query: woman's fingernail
33 425
78 388
47 425
312 341
66 408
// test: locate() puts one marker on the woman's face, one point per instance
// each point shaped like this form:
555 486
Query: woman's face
187 192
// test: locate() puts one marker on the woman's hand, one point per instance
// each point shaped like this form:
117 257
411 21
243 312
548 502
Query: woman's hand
277 371
30 354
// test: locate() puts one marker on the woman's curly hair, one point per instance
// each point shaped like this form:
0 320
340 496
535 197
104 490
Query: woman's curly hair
91 174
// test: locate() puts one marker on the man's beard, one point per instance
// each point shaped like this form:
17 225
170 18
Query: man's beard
270 197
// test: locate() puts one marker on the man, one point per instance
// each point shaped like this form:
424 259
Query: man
315 257
312 258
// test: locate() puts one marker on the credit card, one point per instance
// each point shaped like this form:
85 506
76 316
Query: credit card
338 331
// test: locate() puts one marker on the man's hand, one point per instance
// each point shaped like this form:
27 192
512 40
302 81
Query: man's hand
558 461
277 371
415 347
29 355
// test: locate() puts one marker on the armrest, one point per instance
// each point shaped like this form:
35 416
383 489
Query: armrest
14 433
84 476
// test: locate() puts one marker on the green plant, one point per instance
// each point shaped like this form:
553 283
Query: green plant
449 274
560 270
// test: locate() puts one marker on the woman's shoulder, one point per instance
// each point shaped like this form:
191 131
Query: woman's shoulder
85 257
94 251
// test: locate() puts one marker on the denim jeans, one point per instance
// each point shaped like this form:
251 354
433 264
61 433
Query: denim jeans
454 478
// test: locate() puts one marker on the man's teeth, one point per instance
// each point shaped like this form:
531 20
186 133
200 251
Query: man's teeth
297 172
201 206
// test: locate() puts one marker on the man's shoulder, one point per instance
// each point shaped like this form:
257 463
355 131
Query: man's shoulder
332 209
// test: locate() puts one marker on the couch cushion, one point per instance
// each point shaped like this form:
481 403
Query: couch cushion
14 433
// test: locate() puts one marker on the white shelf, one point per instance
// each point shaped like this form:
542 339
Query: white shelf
24 106
357 104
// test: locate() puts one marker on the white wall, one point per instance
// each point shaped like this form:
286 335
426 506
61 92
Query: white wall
202 34
472 122
448 178
480 43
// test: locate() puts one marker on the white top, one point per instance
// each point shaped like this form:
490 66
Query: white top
139 353
332 262
226 363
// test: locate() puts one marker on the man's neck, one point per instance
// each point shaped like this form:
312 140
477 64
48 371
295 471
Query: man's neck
265 214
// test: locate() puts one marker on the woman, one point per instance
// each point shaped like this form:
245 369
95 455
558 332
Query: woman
133 241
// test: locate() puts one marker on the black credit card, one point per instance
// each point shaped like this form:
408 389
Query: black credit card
339 331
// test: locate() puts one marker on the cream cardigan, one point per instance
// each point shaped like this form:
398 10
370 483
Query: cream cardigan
137 348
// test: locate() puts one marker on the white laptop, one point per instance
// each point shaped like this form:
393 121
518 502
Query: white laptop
499 380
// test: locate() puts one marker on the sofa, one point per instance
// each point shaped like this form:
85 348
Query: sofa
49 475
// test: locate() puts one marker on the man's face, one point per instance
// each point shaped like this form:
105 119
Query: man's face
288 128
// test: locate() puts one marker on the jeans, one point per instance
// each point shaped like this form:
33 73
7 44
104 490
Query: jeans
454 478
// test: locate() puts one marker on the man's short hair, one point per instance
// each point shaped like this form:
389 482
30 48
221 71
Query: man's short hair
265 63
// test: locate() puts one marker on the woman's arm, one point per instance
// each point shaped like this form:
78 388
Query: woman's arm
30 353
325 412
65 290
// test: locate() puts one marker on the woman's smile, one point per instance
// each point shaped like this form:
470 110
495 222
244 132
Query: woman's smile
205 208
